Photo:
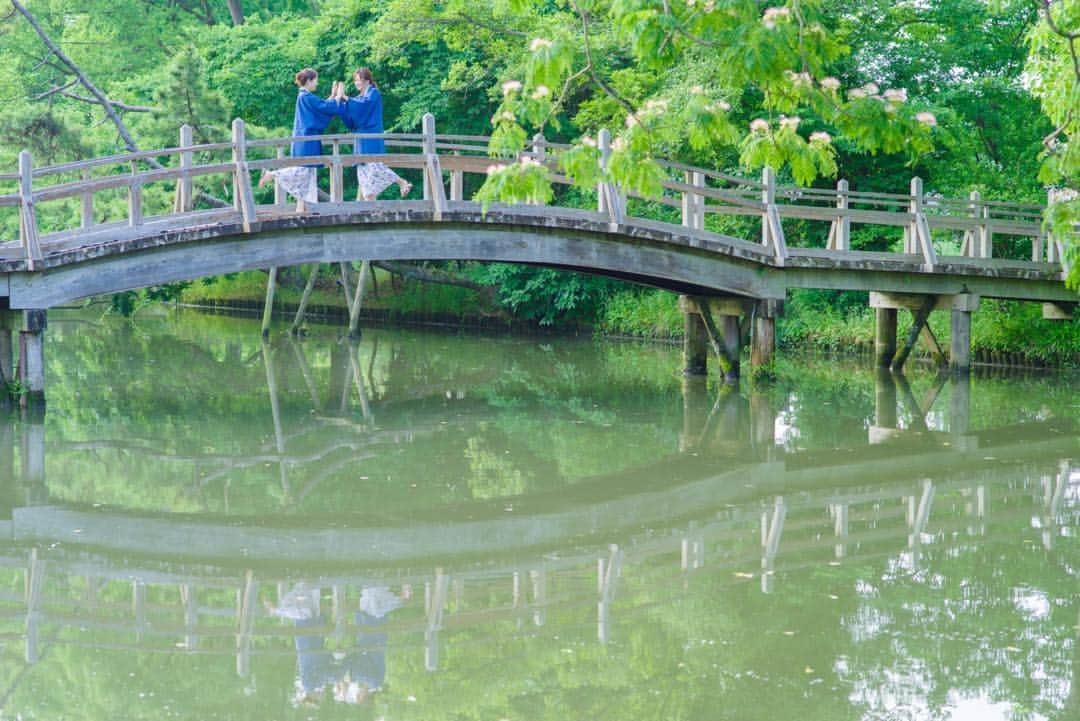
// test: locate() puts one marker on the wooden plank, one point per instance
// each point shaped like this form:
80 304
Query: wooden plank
27 215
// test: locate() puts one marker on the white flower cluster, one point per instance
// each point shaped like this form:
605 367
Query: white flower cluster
503 116
774 15
511 86
926 118
539 43
719 106
896 96
759 125
820 137
792 122
541 91
830 83
804 79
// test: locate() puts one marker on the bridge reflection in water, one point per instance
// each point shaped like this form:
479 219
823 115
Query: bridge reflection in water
740 503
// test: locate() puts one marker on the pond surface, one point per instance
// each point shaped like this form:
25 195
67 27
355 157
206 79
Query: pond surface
429 525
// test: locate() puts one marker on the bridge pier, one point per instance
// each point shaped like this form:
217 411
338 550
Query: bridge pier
763 338
695 340
886 305
884 336
32 358
701 331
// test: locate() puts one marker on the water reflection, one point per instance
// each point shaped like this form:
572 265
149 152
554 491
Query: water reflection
435 527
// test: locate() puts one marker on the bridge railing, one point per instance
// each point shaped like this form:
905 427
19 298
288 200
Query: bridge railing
100 199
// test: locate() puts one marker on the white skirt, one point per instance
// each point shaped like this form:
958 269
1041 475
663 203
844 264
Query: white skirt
374 178
298 181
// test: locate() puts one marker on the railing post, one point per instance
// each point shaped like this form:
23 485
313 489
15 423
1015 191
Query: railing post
427 129
970 245
337 178
87 209
603 141
608 199
1054 248
28 229
840 233
434 190
772 232
986 234
539 149
245 199
911 232
187 197
279 192
918 234
693 204
135 214
457 184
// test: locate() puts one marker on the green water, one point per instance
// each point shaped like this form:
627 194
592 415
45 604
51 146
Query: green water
429 525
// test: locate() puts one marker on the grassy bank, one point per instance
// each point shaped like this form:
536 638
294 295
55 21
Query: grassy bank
1002 331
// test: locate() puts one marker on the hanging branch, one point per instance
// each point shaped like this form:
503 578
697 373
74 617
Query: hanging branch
99 97
78 73
432 275
63 90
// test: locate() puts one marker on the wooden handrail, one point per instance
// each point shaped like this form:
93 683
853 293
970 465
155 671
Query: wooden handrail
458 154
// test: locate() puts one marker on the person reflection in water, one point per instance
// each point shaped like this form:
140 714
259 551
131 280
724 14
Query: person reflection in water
351 676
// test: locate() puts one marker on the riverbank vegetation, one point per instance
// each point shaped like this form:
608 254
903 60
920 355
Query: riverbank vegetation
967 95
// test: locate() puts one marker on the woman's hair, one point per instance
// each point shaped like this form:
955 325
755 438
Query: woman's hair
304 76
365 74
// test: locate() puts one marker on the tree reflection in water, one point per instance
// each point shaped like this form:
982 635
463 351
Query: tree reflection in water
571 532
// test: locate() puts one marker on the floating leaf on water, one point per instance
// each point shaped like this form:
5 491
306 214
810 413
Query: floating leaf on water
743 574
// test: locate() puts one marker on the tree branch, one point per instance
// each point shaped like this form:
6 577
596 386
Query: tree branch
430 275
590 67
63 90
1070 37
110 111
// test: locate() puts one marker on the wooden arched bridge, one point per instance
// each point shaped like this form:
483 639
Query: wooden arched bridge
162 237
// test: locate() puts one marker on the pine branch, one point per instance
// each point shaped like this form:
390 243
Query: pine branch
110 111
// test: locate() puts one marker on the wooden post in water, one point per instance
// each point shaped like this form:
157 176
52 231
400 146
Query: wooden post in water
695 339
32 358
268 305
960 341
763 340
884 336
358 298
308 288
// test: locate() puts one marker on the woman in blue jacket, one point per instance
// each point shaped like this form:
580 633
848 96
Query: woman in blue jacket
311 117
363 114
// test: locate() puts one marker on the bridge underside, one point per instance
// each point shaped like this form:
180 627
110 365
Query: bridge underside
656 254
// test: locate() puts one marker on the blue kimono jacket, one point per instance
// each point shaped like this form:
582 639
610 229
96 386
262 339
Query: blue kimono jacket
363 114
312 116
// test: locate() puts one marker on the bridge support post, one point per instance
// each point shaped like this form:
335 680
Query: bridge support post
960 337
763 340
695 339
9 322
884 336
32 358
960 342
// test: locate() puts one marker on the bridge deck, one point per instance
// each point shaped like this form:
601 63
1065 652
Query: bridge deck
179 242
